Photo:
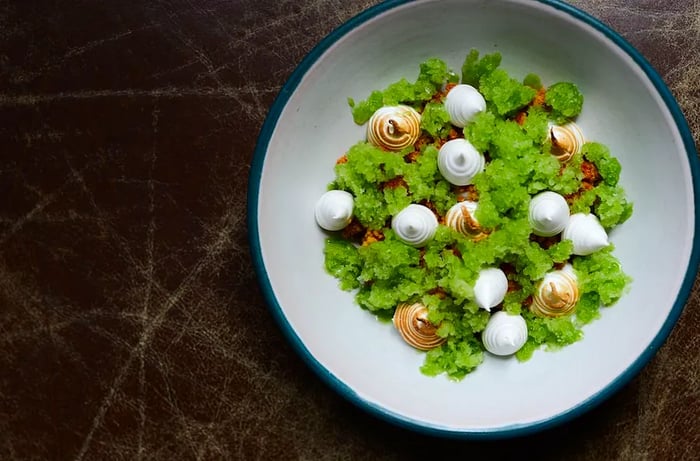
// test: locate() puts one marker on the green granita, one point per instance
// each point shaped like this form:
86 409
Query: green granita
565 99
435 120
434 73
513 135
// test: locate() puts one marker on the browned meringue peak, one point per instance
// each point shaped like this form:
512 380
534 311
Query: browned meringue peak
411 320
394 127
566 140
557 294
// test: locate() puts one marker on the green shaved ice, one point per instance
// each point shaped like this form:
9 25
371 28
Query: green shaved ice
561 251
435 120
512 135
565 99
505 93
588 308
552 332
612 208
602 273
474 68
584 202
362 111
481 131
343 262
456 359
434 73
398 92
389 259
536 124
569 178
370 209
533 81
608 166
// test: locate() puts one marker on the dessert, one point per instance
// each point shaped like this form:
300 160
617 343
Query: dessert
486 227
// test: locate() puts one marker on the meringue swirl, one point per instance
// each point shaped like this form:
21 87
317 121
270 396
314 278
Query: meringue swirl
505 334
557 294
490 288
394 127
586 233
548 214
459 161
415 225
461 218
411 321
334 209
462 103
566 141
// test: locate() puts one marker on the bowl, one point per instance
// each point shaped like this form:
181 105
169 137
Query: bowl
628 108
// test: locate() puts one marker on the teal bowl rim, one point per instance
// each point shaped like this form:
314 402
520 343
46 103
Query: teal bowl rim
395 418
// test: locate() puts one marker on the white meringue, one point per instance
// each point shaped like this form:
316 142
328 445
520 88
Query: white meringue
463 102
490 288
415 225
459 161
333 210
549 214
394 127
586 233
505 334
557 294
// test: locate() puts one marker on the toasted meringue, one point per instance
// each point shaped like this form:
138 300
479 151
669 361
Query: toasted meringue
411 320
461 218
463 102
394 127
549 214
505 334
333 210
490 288
459 161
557 293
566 140
415 225
586 233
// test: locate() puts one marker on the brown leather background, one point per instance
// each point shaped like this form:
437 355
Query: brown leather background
131 323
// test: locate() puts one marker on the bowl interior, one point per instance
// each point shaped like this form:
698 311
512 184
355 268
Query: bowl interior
365 358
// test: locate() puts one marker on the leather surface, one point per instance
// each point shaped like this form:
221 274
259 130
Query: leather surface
131 322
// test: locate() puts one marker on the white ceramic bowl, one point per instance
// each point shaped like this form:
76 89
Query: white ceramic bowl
627 107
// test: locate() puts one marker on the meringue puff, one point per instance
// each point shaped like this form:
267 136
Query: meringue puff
411 321
394 127
462 103
566 140
548 214
334 209
415 225
490 288
586 233
459 161
505 334
461 218
557 294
